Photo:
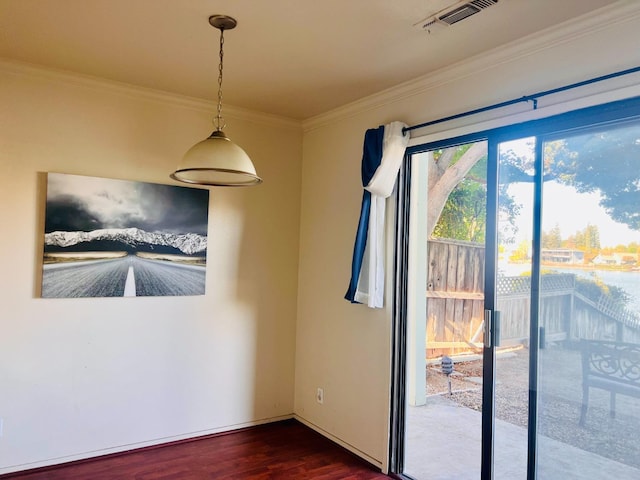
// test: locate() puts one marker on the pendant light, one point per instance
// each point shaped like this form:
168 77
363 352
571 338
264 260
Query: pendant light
217 160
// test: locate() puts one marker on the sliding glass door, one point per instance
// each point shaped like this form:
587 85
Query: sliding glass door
588 415
529 319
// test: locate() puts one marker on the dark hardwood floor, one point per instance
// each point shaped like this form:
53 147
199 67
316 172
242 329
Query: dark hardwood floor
282 450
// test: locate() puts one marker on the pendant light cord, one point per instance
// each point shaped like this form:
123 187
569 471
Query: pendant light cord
219 121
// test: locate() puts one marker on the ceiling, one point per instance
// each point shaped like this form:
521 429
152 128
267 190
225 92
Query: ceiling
294 58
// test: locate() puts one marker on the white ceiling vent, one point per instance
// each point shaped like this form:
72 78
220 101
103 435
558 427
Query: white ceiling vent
455 13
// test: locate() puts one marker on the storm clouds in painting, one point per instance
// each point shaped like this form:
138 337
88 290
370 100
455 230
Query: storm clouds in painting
108 238
77 203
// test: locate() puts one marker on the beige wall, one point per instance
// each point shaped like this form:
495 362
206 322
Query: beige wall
80 377
345 348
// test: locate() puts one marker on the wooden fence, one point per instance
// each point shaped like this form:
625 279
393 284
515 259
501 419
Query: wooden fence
455 297
514 305
455 305
603 320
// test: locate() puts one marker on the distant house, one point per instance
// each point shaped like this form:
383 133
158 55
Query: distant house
562 255
616 259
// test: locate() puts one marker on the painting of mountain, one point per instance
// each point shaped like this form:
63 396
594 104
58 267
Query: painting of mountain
119 238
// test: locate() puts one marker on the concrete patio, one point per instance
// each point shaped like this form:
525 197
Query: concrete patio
443 442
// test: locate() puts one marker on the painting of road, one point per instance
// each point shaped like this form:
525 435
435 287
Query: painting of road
119 238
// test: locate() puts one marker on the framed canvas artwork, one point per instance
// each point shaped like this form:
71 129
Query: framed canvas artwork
114 238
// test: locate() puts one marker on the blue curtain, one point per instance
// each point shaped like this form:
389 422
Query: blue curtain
371 157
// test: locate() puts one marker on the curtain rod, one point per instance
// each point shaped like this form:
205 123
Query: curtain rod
527 98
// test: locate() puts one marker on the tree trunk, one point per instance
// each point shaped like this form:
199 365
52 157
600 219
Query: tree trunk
443 178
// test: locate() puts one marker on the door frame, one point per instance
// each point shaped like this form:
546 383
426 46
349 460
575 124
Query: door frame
561 124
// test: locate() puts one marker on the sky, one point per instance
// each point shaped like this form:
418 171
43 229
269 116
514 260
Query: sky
79 203
571 211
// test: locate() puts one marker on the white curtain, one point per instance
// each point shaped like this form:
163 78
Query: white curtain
370 284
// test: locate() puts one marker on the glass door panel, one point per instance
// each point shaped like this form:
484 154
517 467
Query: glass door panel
443 432
589 358
513 305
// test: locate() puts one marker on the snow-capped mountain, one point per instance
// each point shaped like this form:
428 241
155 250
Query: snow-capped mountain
128 239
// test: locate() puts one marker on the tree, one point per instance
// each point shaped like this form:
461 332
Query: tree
464 214
521 253
591 238
446 169
607 162
552 238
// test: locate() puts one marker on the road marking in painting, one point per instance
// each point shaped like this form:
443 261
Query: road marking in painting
130 284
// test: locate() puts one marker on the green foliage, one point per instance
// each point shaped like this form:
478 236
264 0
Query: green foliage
552 238
607 162
521 253
465 213
587 239
591 238
460 150
508 211
596 288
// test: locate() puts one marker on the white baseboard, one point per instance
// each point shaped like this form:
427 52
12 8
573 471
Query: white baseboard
133 446
340 442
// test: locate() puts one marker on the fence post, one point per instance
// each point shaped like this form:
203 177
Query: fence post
572 297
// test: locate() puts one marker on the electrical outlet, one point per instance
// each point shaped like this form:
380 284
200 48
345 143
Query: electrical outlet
320 396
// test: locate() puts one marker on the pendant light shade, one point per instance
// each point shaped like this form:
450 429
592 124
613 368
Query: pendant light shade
217 161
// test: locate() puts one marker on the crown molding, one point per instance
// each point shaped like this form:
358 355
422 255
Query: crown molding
15 67
604 18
